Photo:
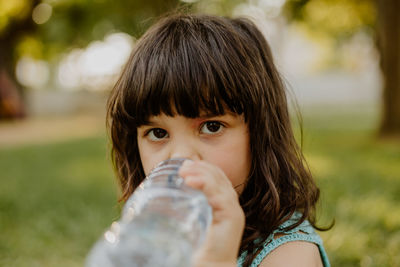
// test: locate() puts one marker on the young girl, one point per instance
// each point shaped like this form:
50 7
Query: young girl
206 88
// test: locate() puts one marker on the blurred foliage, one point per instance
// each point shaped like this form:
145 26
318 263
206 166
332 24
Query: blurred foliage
75 22
57 198
339 19
13 11
217 7
78 22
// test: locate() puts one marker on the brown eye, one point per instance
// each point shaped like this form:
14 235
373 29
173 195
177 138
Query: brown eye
157 134
211 127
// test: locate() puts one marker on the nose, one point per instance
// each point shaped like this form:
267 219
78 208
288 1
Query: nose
184 148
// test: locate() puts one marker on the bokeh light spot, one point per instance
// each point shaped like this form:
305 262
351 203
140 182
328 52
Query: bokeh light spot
42 13
32 73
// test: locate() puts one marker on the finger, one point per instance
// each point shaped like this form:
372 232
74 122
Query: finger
212 181
203 176
195 182
209 171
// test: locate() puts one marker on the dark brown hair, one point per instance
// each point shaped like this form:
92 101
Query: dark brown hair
186 64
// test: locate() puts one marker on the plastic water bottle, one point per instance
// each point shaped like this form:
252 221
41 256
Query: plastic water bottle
162 224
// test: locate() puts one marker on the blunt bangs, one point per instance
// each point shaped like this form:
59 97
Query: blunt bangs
186 67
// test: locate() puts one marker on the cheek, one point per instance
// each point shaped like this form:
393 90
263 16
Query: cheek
146 158
235 162
146 163
237 169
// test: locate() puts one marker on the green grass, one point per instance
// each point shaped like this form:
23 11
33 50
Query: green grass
56 199
359 177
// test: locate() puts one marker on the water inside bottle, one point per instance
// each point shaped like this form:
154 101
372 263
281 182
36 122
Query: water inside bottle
163 223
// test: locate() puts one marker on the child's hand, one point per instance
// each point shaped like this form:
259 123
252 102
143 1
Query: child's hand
225 233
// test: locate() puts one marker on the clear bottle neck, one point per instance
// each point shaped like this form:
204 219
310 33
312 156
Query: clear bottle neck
166 172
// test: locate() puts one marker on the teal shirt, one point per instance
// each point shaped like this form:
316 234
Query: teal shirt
303 232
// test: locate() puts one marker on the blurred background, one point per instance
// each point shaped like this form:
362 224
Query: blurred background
60 58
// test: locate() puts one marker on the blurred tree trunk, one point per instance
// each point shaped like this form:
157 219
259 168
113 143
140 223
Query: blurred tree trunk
388 33
11 97
11 104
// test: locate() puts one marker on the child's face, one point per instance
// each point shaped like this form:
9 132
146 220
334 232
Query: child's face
220 140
